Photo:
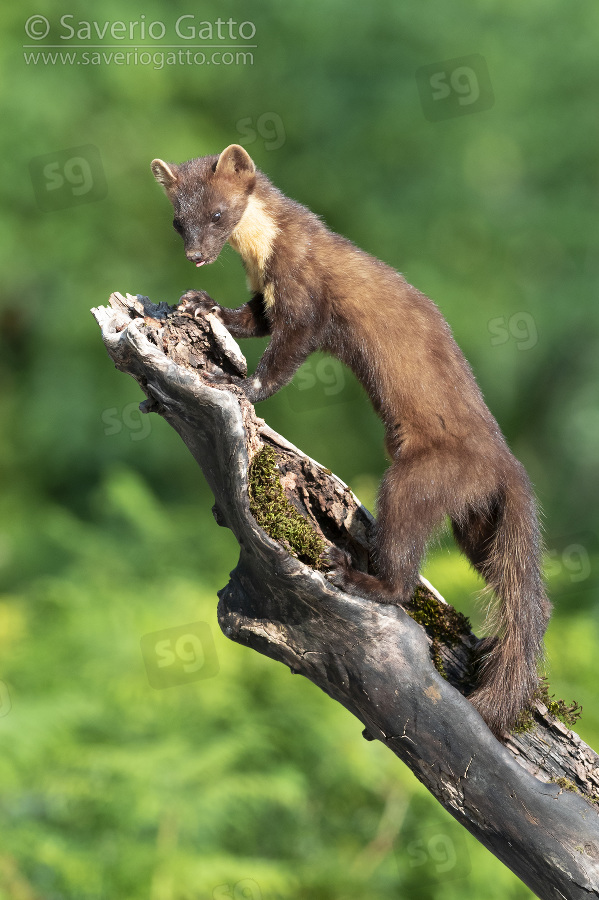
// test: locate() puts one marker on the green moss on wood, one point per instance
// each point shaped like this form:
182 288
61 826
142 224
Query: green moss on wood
438 659
525 721
443 623
565 784
569 715
276 515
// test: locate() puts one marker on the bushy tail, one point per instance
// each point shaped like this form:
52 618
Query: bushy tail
505 546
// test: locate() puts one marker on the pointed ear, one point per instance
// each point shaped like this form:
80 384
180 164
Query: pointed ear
234 160
164 173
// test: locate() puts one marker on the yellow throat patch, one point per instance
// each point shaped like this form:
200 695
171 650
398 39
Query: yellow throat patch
253 239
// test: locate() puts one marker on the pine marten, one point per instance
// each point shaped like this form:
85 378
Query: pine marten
315 290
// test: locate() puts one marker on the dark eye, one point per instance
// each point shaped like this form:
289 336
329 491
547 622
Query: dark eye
178 225
216 216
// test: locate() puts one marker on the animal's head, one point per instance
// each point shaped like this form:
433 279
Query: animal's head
209 196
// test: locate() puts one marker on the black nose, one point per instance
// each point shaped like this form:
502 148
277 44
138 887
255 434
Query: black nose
194 256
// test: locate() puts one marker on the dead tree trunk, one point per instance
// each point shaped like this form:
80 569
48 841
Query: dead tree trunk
531 800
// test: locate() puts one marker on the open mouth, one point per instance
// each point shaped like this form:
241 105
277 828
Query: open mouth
204 262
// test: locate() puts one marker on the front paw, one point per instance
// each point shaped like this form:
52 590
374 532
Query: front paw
338 565
253 390
196 303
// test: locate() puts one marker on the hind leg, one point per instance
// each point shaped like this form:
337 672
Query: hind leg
408 511
474 533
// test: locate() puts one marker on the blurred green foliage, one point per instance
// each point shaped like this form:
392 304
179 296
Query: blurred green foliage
251 783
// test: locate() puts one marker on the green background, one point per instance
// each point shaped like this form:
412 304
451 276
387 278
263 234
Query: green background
250 783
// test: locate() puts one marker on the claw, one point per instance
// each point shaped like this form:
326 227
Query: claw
196 303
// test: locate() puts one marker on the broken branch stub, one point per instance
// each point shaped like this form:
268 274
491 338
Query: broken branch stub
375 660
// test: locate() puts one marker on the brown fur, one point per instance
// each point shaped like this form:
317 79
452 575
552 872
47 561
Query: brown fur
313 289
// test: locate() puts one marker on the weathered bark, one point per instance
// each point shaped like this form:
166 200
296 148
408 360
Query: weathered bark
375 660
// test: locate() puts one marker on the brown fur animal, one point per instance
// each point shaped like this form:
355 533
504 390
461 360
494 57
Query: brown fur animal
312 289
